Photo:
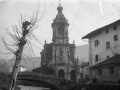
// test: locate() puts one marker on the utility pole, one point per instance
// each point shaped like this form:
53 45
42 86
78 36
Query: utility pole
33 65
76 67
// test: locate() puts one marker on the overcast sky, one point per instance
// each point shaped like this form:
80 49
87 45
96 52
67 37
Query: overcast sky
83 16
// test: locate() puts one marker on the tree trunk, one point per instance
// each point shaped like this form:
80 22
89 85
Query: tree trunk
15 70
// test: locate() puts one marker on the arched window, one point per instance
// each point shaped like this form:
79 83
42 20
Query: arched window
60 30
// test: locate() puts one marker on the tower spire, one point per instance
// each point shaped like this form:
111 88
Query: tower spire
59 2
59 7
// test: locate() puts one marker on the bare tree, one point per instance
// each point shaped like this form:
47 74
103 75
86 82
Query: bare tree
22 36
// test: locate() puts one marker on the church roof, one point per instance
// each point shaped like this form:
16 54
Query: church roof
45 70
113 60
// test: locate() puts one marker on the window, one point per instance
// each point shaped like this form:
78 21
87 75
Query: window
96 43
99 71
111 70
108 57
96 57
106 30
115 37
60 30
86 68
115 27
107 45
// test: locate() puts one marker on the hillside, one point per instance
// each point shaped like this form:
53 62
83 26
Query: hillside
82 52
29 63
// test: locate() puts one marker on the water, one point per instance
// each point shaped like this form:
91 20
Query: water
32 88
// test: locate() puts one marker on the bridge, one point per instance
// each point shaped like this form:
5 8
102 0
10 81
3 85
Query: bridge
41 80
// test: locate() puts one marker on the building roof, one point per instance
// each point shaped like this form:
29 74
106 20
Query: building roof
97 31
84 64
45 70
113 60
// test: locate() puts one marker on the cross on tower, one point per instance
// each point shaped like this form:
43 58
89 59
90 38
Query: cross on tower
59 2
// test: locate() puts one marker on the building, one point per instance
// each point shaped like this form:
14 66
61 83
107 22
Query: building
104 52
85 70
60 54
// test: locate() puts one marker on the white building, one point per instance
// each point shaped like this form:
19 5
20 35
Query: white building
104 50
21 69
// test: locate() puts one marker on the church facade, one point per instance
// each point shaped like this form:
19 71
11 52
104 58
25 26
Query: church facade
60 54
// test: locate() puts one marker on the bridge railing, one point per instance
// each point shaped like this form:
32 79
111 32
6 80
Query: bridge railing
58 81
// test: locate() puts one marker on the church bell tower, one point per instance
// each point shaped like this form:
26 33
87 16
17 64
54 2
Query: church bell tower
63 52
60 28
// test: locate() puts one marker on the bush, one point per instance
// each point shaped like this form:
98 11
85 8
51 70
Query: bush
105 81
118 81
99 86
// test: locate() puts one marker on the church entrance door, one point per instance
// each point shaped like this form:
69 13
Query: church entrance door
61 73
73 76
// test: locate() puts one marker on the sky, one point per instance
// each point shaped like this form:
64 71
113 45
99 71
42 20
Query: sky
83 16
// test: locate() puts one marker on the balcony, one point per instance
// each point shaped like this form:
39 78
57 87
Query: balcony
59 62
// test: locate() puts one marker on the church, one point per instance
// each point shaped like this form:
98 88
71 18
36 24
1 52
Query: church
60 54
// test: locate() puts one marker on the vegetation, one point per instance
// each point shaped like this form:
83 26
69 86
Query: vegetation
22 36
4 67
45 70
